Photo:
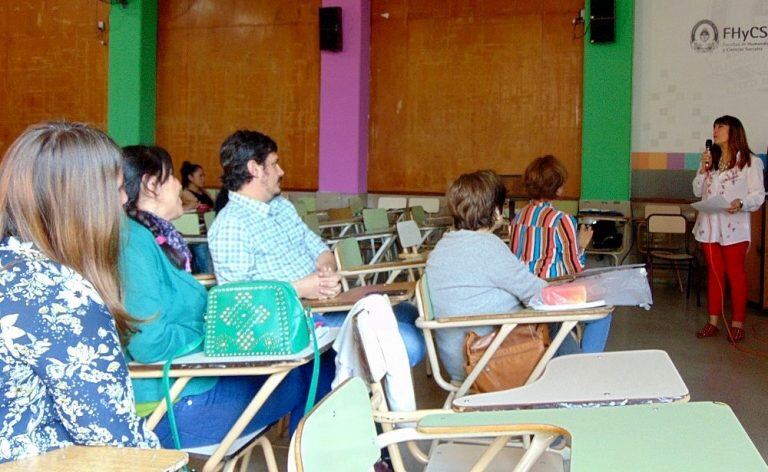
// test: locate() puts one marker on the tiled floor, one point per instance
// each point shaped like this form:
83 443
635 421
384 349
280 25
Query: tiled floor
712 368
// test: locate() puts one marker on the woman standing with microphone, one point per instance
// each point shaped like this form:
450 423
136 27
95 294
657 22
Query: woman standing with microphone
729 169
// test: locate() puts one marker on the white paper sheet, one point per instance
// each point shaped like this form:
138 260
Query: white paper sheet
712 205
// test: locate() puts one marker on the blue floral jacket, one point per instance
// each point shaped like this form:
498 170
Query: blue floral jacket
63 378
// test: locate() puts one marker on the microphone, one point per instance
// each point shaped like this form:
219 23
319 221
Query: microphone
708 146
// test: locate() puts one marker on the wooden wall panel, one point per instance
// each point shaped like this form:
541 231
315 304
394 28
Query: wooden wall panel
461 85
225 65
52 64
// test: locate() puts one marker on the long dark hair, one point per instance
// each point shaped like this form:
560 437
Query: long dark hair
737 144
148 161
187 169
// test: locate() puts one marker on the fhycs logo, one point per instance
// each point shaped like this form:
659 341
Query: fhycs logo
704 36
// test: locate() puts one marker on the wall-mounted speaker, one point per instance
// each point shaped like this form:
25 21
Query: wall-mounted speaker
331 38
602 21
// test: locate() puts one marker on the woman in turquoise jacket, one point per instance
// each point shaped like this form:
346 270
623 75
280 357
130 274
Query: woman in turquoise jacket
160 291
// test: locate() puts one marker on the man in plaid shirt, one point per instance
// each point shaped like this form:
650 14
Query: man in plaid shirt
258 235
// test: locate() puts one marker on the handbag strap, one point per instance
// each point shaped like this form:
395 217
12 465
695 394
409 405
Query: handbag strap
316 364
167 388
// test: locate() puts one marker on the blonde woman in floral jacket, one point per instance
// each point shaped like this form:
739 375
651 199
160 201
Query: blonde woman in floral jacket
63 377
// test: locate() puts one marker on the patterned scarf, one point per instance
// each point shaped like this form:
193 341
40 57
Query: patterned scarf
168 233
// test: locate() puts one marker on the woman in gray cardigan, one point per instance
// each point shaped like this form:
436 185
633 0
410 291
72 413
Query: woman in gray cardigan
471 270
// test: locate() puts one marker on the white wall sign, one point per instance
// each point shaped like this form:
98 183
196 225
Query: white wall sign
695 60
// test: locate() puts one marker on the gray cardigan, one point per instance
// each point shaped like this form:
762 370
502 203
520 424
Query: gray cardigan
472 272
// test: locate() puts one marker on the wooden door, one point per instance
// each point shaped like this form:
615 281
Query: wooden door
460 85
224 65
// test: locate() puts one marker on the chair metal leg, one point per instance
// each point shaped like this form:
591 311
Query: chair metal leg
492 451
677 276
246 459
269 454
649 263
282 426
538 446
245 417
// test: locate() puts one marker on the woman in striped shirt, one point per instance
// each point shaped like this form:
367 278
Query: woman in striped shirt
547 240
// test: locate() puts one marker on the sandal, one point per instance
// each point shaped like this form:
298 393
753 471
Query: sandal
737 334
708 331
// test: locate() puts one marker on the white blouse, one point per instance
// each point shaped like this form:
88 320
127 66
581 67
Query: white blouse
723 227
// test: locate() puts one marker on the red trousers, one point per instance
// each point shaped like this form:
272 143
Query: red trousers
726 262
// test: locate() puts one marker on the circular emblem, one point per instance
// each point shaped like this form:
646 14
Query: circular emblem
704 36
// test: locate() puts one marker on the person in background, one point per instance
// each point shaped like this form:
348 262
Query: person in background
471 271
545 239
63 377
194 196
731 170
154 264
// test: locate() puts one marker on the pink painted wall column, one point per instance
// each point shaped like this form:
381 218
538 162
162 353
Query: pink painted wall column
344 93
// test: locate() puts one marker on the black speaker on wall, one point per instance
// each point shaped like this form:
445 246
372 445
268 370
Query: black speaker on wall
602 21
331 38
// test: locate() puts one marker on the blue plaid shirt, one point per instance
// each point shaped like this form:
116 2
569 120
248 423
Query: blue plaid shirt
252 240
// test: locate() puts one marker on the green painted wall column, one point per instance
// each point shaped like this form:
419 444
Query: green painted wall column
607 111
132 72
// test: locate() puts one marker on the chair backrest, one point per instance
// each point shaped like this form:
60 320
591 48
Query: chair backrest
423 299
392 203
653 209
213 192
188 224
418 215
427 314
339 433
209 216
568 206
356 204
310 219
429 204
347 253
375 219
340 213
409 234
309 203
301 208
671 224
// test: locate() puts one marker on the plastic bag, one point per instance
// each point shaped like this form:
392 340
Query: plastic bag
617 286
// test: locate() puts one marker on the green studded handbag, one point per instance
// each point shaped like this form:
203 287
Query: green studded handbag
260 318
255 318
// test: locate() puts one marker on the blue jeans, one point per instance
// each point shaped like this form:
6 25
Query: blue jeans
206 418
593 339
201 258
406 315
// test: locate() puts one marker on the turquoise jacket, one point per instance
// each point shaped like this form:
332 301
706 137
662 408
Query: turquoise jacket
170 302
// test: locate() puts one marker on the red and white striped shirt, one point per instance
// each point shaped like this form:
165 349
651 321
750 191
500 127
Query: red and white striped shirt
546 239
